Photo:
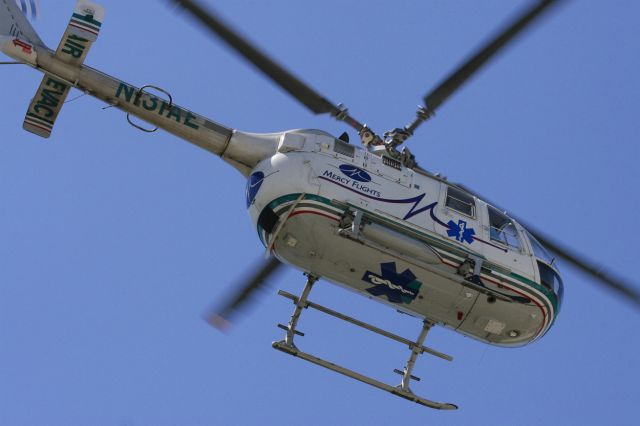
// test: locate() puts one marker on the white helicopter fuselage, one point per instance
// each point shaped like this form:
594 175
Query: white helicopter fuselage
363 221
353 216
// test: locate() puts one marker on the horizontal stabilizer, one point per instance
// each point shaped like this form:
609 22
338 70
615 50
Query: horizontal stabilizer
46 106
87 20
80 34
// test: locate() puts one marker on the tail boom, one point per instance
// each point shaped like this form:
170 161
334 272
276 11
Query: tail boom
64 69
159 112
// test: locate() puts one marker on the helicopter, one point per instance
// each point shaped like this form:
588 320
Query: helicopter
418 234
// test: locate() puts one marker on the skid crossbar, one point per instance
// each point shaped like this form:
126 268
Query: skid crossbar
403 390
366 326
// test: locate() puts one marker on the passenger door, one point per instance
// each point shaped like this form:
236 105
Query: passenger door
458 217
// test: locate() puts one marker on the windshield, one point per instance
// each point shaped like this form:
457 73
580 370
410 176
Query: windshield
551 280
539 250
549 276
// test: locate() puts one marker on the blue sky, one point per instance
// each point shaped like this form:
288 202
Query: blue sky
114 242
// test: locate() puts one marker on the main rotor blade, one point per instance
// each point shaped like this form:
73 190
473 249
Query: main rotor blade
285 79
618 285
221 317
457 78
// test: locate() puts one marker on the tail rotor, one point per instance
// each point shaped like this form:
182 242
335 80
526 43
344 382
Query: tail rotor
30 8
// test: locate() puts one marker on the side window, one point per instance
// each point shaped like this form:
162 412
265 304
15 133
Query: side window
460 201
502 229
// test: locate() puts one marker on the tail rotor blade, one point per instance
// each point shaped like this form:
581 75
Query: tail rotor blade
30 8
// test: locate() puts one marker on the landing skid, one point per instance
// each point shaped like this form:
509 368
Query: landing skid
417 348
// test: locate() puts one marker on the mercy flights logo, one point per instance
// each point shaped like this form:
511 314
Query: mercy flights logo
253 186
397 288
355 173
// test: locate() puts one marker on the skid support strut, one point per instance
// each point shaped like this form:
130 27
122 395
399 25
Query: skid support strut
415 351
403 390
300 305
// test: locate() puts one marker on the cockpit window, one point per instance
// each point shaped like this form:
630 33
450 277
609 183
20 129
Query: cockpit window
502 229
461 201
538 249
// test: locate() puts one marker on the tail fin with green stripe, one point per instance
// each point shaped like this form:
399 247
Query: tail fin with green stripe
80 34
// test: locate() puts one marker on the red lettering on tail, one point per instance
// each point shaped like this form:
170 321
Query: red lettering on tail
26 47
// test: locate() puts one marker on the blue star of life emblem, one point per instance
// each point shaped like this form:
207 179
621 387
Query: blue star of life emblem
460 231
397 288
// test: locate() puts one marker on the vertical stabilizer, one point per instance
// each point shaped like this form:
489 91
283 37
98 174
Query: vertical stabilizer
13 23
80 34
